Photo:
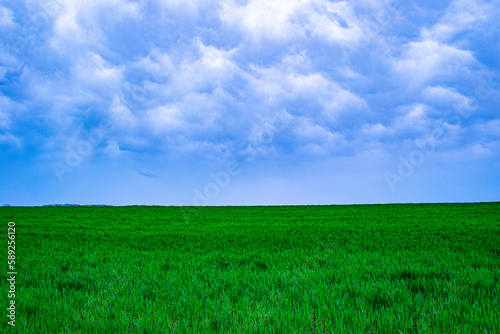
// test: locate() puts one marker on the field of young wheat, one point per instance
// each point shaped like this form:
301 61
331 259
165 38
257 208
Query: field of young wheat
412 268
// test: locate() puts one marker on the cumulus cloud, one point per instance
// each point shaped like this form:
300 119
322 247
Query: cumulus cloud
6 17
94 72
461 16
112 149
10 140
5 106
165 117
82 25
444 96
335 22
428 62
193 8
294 21
317 140
293 81
260 20
199 78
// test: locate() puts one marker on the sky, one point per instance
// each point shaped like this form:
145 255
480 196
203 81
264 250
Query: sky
234 102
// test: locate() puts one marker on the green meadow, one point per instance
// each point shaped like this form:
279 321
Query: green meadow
402 268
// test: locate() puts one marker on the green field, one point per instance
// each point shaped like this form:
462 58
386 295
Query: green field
410 268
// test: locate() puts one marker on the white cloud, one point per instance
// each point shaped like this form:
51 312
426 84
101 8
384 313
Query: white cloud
120 112
68 33
6 17
308 131
192 8
297 62
487 131
344 103
5 105
282 82
293 20
214 67
165 117
414 122
461 15
93 71
276 85
4 120
11 140
57 99
312 149
113 149
157 64
77 26
335 22
414 119
446 97
175 77
206 82
314 139
198 87
429 61
376 130
264 20
202 111
184 146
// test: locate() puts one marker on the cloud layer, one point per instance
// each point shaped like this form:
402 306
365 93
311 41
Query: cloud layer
200 82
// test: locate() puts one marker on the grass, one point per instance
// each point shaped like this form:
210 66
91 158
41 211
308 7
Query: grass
413 268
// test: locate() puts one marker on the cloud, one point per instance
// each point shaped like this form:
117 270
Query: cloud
190 8
486 132
315 139
149 174
213 68
6 17
120 112
82 25
345 106
413 121
461 16
374 131
202 81
291 21
5 105
112 149
492 128
430 62
165 117
313 93
261 20
335 22
94 72
445 97
10 140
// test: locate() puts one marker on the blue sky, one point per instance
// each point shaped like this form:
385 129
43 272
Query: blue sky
237 102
